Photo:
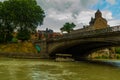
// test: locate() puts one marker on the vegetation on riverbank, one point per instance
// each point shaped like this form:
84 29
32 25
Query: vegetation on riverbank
113 53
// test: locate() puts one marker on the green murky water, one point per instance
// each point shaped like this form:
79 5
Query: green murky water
30 69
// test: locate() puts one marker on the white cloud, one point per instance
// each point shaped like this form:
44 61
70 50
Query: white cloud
114 22
84 17
59 16
73 6
107 15
111 21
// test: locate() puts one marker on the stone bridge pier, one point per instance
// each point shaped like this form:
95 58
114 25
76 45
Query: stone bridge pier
43 48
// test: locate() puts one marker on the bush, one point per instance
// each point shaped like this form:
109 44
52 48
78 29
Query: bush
15 40
117 50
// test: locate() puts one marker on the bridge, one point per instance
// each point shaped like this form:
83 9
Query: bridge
81 43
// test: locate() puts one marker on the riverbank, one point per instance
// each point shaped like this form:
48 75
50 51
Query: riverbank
19 50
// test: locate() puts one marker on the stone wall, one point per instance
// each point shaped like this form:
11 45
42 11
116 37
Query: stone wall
44 48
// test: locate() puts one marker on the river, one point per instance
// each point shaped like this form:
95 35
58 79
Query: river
37 69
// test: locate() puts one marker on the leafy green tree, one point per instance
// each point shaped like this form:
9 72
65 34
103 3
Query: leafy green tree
23 34
6 31
24 15
68 27
6 27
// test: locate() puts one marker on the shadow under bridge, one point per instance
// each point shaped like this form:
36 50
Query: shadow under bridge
81 50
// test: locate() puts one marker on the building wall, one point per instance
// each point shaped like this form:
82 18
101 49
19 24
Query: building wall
100 23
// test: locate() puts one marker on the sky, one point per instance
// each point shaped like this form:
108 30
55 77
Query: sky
58 12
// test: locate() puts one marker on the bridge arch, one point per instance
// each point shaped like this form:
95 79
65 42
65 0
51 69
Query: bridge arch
81 49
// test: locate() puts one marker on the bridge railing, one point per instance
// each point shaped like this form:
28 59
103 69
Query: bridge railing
88 33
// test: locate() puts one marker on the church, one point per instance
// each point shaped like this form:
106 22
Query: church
98 22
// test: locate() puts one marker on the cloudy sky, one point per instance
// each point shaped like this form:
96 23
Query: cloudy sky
78 11
58 12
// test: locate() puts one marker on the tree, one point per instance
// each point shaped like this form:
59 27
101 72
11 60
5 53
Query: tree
68 27
6 27
23 34
25 15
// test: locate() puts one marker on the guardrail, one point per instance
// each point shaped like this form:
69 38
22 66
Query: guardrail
87 33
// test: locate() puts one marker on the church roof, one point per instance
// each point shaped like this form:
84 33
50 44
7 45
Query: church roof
98 11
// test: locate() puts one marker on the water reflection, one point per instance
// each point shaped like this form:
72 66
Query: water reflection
15 69
115 63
